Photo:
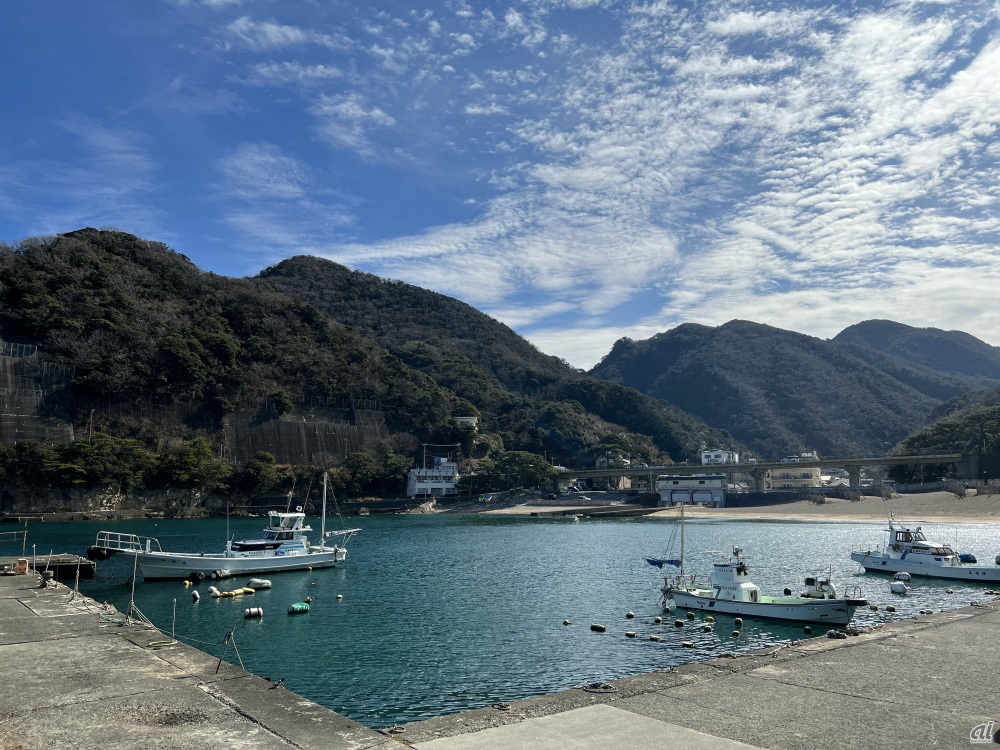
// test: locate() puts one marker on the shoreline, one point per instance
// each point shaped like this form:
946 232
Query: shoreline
930 507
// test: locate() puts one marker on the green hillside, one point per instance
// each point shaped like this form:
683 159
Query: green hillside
508 380
776 391
165 354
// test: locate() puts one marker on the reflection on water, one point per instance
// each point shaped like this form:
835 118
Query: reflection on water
442 613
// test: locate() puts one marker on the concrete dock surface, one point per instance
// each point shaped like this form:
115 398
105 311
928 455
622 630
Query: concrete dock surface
79 676
930 682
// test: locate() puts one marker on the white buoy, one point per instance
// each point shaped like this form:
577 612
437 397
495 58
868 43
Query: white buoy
195 595
214 592
902 576
898 587
258 583
254 612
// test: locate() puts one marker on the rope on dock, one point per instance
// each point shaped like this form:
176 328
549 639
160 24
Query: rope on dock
598 687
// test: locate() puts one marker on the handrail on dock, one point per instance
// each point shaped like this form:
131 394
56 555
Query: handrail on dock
127 542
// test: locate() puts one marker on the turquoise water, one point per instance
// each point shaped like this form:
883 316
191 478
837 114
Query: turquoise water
444 613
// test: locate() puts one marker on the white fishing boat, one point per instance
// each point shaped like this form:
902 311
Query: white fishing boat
283 545
908 550
729 590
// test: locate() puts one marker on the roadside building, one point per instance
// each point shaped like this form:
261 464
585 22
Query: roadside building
440 480
719 456
473 422
706 489
795 477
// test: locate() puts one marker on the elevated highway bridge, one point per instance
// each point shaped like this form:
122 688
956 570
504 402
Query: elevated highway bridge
967 467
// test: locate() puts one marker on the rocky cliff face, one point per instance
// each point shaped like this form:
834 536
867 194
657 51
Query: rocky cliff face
80 504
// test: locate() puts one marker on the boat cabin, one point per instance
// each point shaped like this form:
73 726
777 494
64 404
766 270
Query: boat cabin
904 541
732 581
290 521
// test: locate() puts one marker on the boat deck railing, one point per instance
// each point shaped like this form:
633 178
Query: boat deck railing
127 542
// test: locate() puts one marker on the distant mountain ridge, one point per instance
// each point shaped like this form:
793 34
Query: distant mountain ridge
953 352
142 325
778 391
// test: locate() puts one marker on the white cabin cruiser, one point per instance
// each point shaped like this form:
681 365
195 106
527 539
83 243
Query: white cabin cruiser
283 545
731 591
908 550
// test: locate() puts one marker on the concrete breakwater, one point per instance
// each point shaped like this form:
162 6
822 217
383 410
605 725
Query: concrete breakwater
80 676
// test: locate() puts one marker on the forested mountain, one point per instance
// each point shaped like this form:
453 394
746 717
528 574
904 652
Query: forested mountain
141 323
164 353
483 361
776 391
178 349
953 353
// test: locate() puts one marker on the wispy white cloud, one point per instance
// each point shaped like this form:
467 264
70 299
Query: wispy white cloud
277 200
109 178
345 121
269 35
637 166
289 72
263 170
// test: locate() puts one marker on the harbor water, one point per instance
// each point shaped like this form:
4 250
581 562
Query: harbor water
434 614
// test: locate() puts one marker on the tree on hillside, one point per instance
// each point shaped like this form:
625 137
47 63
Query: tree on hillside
523 469
259 475
197 466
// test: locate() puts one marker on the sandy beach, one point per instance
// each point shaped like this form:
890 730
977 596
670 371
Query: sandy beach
930 507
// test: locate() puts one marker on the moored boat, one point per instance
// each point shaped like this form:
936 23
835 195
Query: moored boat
908 550
283 545
730 591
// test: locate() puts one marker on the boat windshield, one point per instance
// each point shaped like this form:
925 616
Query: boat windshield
282 521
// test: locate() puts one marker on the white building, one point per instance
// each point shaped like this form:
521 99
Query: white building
719 456
473 422
440 480
709 489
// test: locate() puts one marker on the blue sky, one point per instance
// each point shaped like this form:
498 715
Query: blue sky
582 170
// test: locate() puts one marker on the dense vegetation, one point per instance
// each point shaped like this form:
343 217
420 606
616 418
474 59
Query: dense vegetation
963 358
535 402
973 430
141 324
776 391
163 351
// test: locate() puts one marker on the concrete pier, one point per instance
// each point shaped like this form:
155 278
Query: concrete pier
75 676
924 683
64 567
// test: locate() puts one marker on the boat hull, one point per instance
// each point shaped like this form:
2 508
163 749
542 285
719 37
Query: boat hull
159 565
829 611
883 564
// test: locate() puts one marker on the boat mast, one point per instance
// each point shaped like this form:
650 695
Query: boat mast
682 536
322 523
